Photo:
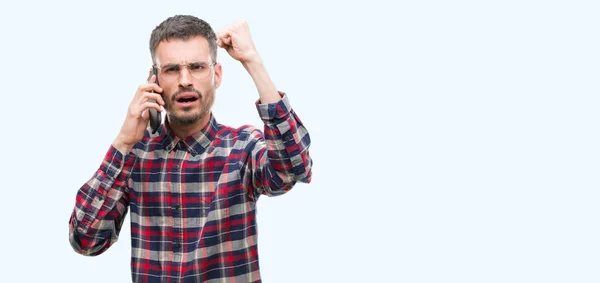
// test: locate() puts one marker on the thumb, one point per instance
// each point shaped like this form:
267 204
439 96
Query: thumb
224 41
146 115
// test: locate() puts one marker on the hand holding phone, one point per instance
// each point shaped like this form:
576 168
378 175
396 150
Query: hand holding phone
147 97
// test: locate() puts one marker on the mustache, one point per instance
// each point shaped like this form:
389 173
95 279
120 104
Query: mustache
185 89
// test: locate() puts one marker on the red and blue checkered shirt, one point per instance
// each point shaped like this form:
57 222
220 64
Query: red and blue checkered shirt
193 200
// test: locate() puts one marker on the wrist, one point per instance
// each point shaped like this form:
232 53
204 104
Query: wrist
121 146
252 63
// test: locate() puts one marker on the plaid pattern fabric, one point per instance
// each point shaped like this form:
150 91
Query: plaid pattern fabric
192 201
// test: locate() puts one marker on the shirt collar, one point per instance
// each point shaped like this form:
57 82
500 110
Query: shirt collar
194 144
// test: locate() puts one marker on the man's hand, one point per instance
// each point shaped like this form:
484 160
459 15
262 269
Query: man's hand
236 39
136 121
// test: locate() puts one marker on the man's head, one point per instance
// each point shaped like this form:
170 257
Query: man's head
184 51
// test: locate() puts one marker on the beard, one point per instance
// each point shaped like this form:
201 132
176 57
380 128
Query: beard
189 115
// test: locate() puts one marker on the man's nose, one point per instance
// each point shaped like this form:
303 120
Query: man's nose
185 78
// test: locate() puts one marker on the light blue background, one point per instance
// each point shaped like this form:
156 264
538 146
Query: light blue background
453 141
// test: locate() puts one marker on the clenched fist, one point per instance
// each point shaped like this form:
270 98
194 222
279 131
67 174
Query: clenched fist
236 39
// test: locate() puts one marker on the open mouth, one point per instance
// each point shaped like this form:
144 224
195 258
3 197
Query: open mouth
187 98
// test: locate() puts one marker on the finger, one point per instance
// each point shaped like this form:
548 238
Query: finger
137 111
151 86
220 43
148 80
151 95
148 104
224 42
225 33
154 79
148 96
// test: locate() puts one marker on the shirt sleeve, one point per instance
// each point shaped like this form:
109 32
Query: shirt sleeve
101 205
279 158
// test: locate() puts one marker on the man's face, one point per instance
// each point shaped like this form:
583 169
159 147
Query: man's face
188 78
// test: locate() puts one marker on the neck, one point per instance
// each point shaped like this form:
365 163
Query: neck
184 131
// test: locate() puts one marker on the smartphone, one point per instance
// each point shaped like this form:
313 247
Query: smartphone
155 117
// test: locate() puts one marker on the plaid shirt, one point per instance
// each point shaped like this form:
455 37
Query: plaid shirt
193 200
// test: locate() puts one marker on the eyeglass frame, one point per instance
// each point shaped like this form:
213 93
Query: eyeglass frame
156 68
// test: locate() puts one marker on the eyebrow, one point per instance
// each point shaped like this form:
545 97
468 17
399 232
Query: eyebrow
191 62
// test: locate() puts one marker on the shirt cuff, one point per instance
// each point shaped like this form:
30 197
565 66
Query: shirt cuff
276 110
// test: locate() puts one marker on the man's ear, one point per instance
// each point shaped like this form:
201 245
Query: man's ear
218 75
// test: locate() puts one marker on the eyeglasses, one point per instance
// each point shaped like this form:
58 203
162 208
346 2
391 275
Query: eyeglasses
198 70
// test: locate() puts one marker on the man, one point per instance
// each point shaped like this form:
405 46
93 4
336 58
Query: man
192 186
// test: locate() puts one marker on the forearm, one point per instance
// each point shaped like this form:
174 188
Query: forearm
266 89
121 146
100 205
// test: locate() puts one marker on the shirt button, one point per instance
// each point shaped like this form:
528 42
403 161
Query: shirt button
176 206
100 197
176 244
